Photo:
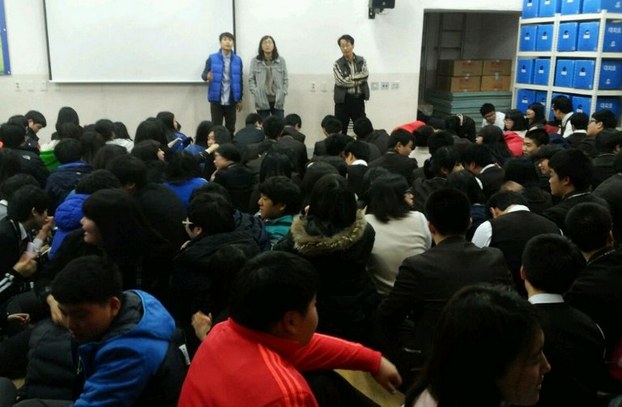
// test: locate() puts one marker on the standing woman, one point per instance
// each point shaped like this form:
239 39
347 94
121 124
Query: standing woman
268 79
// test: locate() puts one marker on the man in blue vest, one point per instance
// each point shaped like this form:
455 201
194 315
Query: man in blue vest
223 73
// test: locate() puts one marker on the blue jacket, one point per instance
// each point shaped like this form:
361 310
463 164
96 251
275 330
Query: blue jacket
67 218
63 180
118 368
216 65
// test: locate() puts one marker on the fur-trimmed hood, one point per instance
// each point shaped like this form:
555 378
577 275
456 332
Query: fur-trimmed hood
313 245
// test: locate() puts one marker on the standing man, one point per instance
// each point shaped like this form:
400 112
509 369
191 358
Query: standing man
223 73
351 88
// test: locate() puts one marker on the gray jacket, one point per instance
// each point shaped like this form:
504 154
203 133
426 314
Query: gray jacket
257 82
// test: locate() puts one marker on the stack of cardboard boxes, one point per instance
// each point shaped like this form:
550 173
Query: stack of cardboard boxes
465 75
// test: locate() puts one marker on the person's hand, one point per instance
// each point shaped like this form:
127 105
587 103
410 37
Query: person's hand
210 76
18 318
26 265
46 228
173 142
212 148
55 314
388 376
202 324
238 106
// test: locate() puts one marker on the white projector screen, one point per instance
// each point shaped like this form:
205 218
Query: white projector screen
133 41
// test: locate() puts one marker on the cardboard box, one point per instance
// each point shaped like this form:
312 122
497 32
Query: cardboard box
459 83
495 83
459 67
496 67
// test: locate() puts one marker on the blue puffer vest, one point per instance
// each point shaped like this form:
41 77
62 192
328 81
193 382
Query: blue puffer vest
217 67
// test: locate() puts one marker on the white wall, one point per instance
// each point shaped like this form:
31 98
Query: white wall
305 31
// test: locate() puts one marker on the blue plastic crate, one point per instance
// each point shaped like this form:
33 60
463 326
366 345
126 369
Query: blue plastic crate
540 97
548 8
524 97
610 75
571 7
541 69
587 36
613 37
609 103
528 38
596 6
584 74
524 71
567 37
582 104
530 8
564 73
544 40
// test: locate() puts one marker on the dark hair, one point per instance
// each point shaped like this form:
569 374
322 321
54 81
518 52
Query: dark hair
19 120
213 212
211 187
275 52
68 151
478 154
221 134
10 164
282 190
400 136
315 170
336 143
493 140
588 225
253 118
273 127
486 108
440 139
461 125
449 210
518 117
325 119
332 207
538 114
150 129
547 151
561 103
293 119
96 180
15 182
129 170
480 332
606 117
203 130
504 199
146 150
226 35
69 130
24 200
467 183
445 158
575 165
66 114
521 171
551 263
168 123
539 136
105 154
275 163
229 152
12 135
347 38
607 140
358 149
385 198
362 127
36 117
92 142
422 134
579 120
182 167
120 131
105 127
87 279
332 126
270 285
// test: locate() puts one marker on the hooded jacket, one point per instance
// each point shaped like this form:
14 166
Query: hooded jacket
67 219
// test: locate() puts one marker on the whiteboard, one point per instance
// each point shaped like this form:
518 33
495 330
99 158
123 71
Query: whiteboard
133 40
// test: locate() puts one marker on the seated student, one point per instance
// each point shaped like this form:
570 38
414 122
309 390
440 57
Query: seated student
608 145
611 191
66 176
151 153
493 138
461 125
200 139
296 148
279 202
446 161
516 127
125 338
579 122
570 179
364 130
293 124
12 184
36 121
534 139
356 156
436 140
121 137
561 106
251 134
597 291
270 339
13 137
601 120
233 175
182 175
330 125
511 227
176 140
465 182
574 344
421 152
487 352
396 159
479 161
490 116
426 282
521 175
65 130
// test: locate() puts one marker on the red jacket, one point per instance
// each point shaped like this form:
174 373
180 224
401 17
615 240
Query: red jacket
236 366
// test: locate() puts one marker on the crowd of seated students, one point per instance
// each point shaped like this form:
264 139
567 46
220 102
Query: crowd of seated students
386 228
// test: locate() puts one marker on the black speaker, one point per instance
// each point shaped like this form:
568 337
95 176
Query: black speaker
382 4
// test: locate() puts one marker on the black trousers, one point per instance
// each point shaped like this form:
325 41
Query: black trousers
352 108
227 112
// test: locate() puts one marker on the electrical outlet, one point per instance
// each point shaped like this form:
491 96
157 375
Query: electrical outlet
395 85
18 86
384 85
313 86
374 86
